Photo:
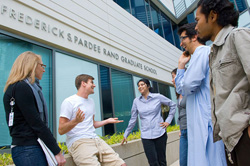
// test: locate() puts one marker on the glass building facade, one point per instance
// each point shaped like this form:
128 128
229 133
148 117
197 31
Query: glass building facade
239 5
150 15
114 93
10 48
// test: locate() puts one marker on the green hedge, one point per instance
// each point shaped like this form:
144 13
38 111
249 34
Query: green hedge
5 159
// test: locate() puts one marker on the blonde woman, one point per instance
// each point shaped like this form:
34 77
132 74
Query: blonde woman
26 112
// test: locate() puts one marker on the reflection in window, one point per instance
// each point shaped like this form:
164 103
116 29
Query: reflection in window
164 90
124 4
106 99
123 96
67 69
137 92
148 14
167 29
156 20
240 5
139 11
155 87
10 49
174 99
191 17
176 36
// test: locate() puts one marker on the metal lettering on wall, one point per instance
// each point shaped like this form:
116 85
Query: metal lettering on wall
60 33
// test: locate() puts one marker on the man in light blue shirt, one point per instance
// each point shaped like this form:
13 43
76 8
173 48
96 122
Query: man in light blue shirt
194 84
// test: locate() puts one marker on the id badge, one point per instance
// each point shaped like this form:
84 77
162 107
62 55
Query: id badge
11 118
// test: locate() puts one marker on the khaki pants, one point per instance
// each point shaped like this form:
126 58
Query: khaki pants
94 152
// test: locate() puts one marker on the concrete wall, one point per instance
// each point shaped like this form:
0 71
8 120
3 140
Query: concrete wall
92 29
133 154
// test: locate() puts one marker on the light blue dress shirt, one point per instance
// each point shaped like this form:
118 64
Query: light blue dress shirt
149 111
194 83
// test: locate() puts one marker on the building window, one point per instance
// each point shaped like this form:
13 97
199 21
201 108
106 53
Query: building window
155 87
106 99
125 4
136 91
165 90
10 49
149 17
67 68
139 11
174 99
156 18
239 5
167 28
123 96
176 36
191 17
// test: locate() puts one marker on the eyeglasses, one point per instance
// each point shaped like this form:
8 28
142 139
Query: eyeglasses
183 37
42 65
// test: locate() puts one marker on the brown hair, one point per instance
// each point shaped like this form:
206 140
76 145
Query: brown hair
80 78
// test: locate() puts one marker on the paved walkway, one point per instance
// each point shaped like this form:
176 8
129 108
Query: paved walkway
175 163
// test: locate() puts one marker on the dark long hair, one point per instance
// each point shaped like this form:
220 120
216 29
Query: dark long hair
146 81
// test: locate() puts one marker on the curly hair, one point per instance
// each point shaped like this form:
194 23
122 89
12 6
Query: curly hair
223 8
190 31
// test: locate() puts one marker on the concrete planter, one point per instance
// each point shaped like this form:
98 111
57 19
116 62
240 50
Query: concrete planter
133 154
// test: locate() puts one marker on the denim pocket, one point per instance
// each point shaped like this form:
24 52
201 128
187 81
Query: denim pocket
28 156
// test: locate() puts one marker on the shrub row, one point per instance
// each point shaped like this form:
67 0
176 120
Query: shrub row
5 158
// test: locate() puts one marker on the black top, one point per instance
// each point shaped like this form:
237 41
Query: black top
27 124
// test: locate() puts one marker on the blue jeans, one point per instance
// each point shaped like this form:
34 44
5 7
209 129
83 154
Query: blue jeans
28 156
183 148
155 150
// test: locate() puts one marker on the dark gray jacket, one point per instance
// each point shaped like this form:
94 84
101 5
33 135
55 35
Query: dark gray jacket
182 119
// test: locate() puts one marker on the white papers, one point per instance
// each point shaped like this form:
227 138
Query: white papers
49 155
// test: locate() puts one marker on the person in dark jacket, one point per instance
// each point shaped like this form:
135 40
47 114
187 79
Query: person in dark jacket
229 76
26 113
182 121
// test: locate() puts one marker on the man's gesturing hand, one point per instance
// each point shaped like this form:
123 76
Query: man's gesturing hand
80 116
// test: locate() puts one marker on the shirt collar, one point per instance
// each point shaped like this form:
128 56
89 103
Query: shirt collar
149 96
222 35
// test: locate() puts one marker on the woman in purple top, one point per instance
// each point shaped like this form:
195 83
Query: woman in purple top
153 127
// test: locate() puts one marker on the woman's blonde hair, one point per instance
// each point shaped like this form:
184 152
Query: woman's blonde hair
23 67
